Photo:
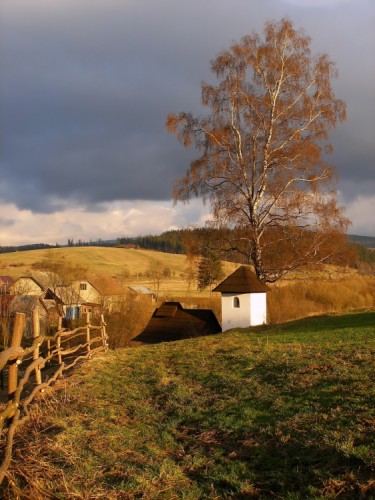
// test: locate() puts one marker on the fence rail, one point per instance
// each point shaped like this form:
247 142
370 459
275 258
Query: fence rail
31 369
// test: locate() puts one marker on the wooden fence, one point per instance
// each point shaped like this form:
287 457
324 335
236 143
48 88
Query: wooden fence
29 370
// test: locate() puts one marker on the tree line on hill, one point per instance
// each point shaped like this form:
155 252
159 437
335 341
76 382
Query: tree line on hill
24 248
202 241
177 241
169 241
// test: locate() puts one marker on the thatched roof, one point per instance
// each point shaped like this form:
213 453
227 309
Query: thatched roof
171 322
243 280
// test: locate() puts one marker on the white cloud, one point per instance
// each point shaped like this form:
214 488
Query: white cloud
121 218
126 218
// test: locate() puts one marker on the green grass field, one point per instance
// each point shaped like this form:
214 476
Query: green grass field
274 412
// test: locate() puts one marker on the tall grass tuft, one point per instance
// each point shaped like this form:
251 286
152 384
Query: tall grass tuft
298 299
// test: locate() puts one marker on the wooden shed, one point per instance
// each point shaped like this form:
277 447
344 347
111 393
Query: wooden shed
243 299
172 322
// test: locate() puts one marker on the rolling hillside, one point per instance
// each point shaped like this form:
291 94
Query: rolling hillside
100 260
128 264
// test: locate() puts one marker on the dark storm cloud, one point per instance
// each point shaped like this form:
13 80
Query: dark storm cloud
86 87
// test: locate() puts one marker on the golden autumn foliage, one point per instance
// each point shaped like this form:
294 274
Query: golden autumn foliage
263 151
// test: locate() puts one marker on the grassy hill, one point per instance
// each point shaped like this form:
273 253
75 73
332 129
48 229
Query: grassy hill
120 262
101 260
272 412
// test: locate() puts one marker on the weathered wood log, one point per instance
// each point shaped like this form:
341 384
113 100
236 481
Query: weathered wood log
103 332
16 411
88 333
36 334
18 329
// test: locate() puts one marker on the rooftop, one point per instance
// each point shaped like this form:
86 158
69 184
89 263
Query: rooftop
171 322
243 280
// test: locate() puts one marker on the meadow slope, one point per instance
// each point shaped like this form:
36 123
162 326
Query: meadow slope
128 265
100 260
273 412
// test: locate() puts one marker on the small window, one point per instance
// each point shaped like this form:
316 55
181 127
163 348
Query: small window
83 286
236 302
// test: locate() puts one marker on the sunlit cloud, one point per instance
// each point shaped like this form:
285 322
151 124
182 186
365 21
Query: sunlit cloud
116 219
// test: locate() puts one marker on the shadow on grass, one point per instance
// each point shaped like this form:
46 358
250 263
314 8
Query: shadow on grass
278 465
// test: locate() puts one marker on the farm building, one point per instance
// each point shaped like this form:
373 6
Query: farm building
243 299
80 296
143 294
171 322
99 291
32 284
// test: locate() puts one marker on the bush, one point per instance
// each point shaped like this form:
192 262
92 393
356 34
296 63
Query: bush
128 320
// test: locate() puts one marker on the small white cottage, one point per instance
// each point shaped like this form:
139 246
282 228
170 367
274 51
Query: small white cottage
243 299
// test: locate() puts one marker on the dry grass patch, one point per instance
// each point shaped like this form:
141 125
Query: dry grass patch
298 299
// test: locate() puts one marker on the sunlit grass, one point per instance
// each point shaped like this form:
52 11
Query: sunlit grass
277 411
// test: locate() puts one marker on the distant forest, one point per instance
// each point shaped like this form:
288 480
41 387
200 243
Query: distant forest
169 241
24 248
173 242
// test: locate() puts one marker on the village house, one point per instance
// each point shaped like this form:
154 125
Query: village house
91 295
99 293
31 284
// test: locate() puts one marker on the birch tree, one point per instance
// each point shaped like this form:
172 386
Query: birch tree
263 148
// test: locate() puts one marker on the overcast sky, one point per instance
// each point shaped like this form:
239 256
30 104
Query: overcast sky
86 86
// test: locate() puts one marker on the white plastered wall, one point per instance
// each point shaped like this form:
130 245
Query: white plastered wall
252 310
258 309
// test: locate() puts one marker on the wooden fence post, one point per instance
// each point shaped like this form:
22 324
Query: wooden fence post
58 348
58 340
18 328
103 331
36 334
88 333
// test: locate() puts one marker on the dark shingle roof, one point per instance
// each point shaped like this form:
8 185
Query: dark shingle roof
171 322
243 280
